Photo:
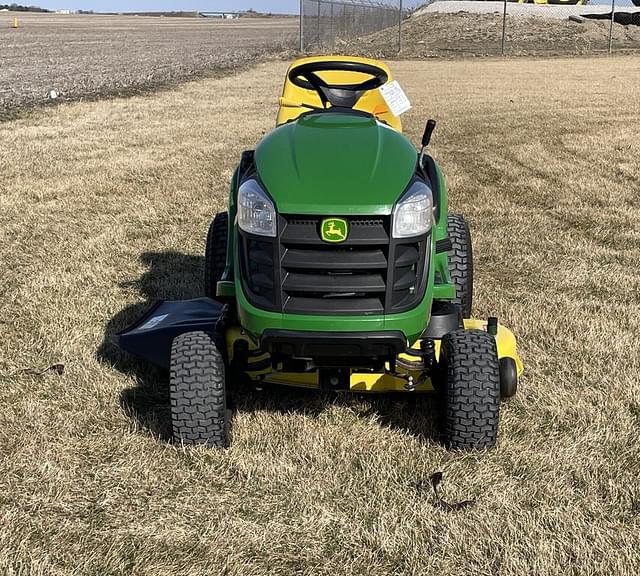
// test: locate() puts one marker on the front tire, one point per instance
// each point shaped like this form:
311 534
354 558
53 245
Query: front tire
461 262
471 390
197 391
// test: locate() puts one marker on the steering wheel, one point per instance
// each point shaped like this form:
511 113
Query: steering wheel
340 95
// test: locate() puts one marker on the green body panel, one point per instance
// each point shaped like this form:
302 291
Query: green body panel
335 164
306 173
441 230
444 288
444 291
226 288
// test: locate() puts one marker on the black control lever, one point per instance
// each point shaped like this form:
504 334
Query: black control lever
426 137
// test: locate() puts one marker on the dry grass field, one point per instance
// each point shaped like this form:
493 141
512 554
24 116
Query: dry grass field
105 205
84 56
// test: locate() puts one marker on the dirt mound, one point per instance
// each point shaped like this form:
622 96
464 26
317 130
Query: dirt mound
464 34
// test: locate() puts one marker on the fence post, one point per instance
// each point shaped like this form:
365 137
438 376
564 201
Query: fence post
613 9
318 38
504 28
301 25
400 27
333 33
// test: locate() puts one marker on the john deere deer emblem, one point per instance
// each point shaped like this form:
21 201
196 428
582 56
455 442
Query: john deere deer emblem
334 230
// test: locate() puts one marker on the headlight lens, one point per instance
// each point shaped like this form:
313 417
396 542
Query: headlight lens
256 212
413 214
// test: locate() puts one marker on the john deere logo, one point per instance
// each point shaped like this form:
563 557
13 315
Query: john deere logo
334 230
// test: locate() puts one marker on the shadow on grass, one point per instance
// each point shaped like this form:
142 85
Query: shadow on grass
177 276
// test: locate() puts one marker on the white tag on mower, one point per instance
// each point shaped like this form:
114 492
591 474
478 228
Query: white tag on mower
395 98
153 322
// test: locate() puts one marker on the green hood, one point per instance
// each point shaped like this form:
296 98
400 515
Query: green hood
336 164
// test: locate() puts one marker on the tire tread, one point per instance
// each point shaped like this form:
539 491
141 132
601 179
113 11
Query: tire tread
461 262
197 391
215 255
472 392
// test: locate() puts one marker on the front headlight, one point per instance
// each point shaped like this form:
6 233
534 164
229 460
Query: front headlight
256 212
413 214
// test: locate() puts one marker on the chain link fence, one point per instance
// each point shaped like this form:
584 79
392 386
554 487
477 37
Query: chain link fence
562 28
324 23
469 27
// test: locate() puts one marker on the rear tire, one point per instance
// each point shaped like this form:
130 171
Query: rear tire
461 262
471 390
215 255
197 391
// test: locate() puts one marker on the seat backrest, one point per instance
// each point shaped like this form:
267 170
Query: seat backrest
372 101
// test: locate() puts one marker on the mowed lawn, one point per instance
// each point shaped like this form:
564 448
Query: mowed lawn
104 206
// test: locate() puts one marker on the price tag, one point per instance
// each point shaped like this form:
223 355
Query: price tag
395 98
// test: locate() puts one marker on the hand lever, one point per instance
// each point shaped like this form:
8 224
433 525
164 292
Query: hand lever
426 137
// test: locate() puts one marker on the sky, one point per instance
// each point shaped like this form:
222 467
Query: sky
286 6
282 6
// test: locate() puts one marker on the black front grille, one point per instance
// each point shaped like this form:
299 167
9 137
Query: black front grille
369 273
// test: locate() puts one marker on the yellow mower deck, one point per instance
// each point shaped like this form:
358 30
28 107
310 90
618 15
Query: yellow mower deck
371 381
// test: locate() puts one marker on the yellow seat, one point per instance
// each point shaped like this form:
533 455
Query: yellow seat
372 101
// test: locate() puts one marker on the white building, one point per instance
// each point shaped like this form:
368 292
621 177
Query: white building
221 15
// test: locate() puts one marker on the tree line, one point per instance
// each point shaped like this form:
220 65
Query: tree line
20 8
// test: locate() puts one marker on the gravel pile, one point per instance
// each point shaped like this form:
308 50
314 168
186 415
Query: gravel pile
554 12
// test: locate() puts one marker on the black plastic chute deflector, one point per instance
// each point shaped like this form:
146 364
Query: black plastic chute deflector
151 336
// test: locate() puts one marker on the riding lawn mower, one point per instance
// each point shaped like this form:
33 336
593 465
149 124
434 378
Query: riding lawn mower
337 266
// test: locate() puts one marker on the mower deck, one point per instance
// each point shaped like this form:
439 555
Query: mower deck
261 371
152 335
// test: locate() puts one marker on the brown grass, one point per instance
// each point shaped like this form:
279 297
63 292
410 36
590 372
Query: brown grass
105 205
